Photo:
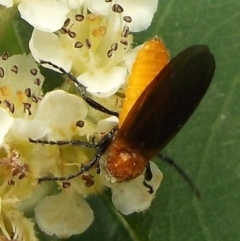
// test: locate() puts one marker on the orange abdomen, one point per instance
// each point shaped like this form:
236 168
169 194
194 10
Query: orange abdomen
151 58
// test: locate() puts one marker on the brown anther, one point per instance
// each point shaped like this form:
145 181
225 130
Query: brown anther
88 180
37 81
88 43
71 34
21 175
5 56
27 107
127 19
124 42
125 32
108 1
28 92
7 103
14 69
11 182
12 108
1 72
33 72
109 53
66 22
79 17
14 172
114 46
63 30
117 8
78 45
80 123
34 99
66 184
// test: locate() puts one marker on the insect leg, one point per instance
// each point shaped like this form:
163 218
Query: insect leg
102 147
82 90
183 174
63 142
148 177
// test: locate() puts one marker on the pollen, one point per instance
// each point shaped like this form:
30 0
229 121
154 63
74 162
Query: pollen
5 90
99 32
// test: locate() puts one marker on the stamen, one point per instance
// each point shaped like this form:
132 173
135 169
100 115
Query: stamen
27 107
71 34
117 8
127 19
28 92
80 123
37 81
109 53
108 1
11 182
66 23
124 42
78 45
88 43
1 72
5 56
33 72
125 32
63 30
14 69
114 46
34 99
79 17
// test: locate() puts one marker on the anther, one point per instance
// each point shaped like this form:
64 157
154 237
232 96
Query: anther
33 72
5 56
117 8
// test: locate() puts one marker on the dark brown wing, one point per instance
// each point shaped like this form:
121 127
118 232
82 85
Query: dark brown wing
168 102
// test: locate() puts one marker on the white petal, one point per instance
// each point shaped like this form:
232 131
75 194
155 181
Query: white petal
64 214
60 111
45 15
132 196
72 4
28 128
101 7
6 3
47 46
141 12
5 123
107 124
103 83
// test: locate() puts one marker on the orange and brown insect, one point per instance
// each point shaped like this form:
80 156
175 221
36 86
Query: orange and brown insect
160 111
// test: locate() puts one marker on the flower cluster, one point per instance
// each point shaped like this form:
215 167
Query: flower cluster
92 39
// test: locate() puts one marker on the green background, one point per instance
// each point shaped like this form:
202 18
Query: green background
207 148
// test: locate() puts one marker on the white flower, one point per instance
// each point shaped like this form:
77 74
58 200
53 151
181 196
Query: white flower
95 46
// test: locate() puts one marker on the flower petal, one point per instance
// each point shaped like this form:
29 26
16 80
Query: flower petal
6 3
103 83
6 122
64 214
45 15
132 196
47 47
60 111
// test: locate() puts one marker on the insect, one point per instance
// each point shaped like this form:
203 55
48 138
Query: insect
155 118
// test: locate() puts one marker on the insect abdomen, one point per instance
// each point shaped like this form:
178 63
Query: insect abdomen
149 62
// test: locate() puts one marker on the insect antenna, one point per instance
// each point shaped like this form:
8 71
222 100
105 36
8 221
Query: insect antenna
82 90
183 174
